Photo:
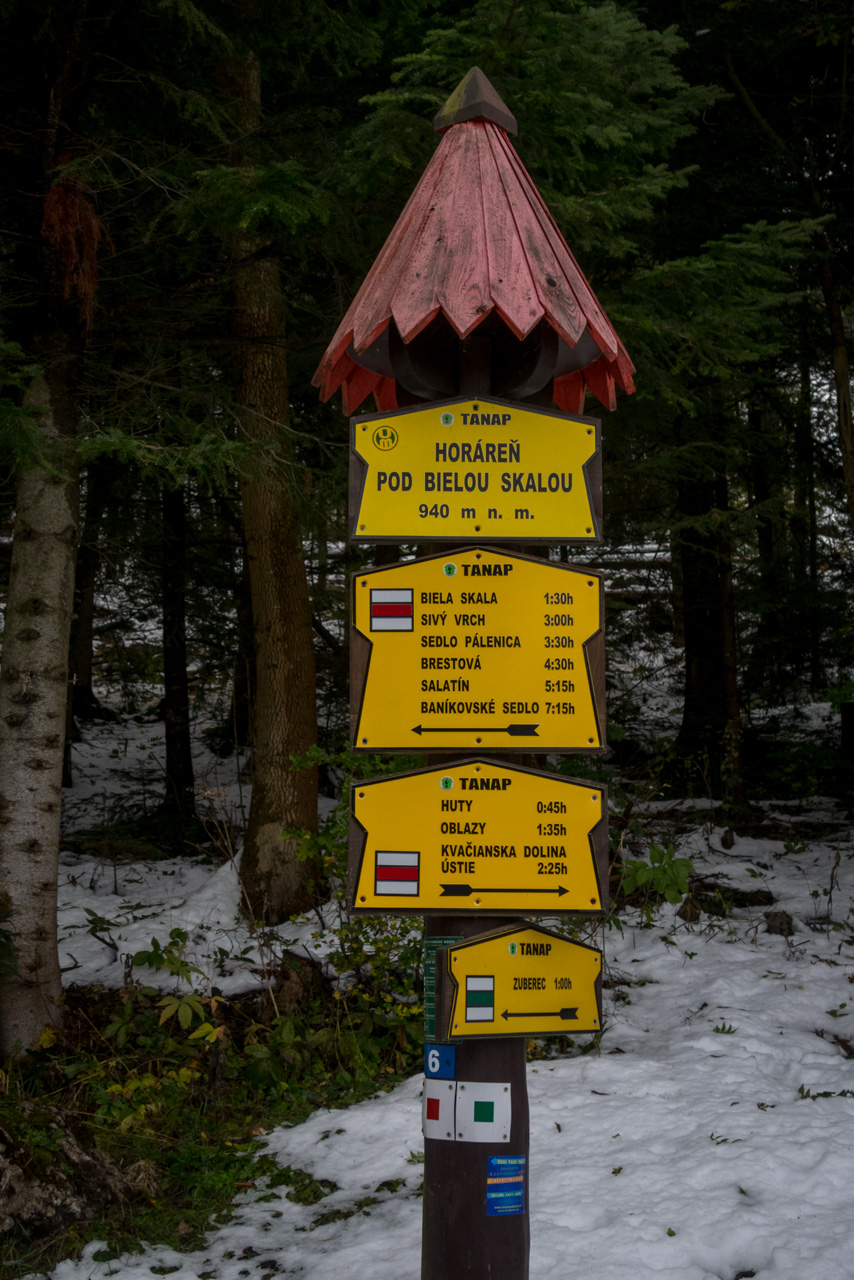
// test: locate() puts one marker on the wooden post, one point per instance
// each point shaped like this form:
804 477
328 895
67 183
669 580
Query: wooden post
847 744
458 1239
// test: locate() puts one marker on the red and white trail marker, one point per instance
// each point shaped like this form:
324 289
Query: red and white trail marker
391 609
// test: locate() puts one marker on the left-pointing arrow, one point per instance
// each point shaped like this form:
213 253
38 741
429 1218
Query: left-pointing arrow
566 1015
514 730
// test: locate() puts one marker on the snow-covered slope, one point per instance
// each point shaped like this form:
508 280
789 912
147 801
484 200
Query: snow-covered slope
689 1146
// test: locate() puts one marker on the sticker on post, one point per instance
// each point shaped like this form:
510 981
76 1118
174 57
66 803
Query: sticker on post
440 1061
483 1112
437 1110
505 1186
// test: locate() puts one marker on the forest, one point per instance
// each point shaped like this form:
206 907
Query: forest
192 192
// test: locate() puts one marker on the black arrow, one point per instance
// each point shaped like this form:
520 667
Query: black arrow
515 730
566 1015
466 890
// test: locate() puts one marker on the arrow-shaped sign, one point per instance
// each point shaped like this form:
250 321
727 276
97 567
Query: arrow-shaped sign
399 697
567 1015
563 504
532 868
514 730
466 890
512 981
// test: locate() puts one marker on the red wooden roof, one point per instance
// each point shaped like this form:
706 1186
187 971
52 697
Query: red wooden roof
475 237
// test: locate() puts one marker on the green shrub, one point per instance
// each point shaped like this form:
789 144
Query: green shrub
664 875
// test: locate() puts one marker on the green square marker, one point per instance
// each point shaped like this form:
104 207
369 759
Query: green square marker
484 1111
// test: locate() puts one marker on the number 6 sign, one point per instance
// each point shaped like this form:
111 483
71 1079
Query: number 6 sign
440 1061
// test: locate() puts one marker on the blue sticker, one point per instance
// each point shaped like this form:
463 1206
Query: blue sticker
440 1061
505 1186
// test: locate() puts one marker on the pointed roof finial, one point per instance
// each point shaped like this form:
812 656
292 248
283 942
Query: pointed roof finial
475 241
475 99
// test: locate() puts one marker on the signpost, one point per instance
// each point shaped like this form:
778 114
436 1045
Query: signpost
480 837
481 468
517 981
477 648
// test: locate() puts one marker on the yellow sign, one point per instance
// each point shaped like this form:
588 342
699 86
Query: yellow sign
478 648
479 837
482 469
518 982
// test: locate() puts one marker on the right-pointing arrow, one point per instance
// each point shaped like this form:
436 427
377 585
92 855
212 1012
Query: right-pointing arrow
466 890
566 1015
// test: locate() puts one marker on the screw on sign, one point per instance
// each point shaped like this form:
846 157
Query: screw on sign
478 649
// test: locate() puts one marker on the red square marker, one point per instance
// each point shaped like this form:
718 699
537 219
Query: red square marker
432 1108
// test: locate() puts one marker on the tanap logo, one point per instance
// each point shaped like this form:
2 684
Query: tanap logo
513 948
450 570
446 783
385 437
447 419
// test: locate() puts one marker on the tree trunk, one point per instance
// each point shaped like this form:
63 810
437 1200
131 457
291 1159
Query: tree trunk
180 798
841 371
805 537
703 712
276 883
82 703
33 692
245 677
239 733
710 721
677 593
731 771
771 659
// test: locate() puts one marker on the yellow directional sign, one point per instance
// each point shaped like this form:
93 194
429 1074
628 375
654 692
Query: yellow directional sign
517 982
484 469
478 837
477 648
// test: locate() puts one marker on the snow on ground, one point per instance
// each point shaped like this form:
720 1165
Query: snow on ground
111 908
118 769
711 1135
